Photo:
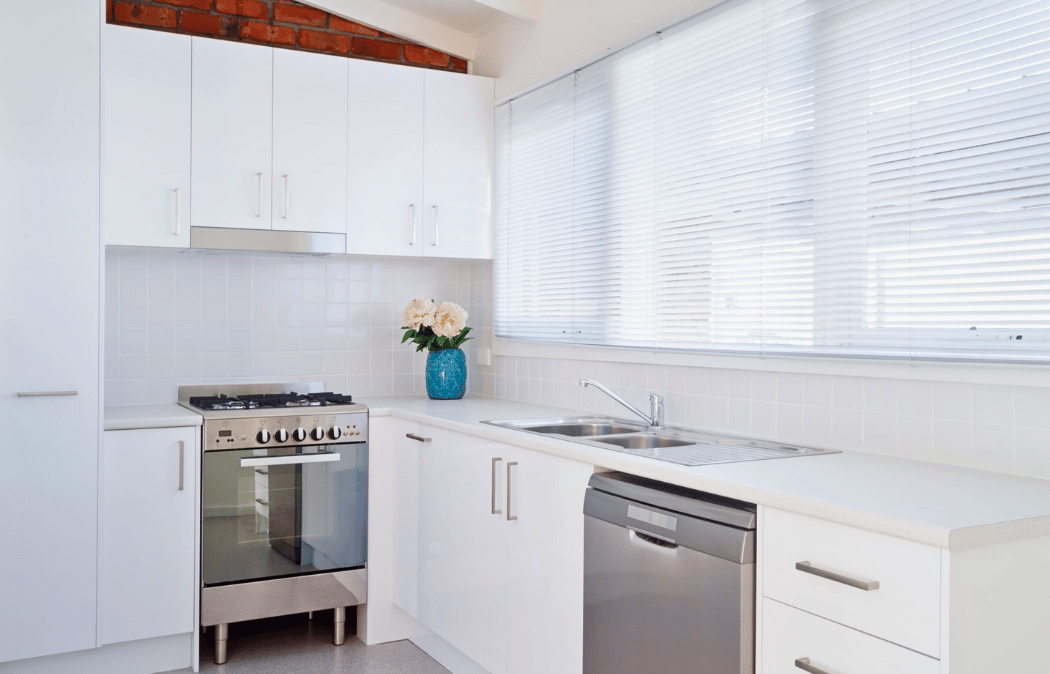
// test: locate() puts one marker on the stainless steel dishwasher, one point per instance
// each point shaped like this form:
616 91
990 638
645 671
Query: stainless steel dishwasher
669 580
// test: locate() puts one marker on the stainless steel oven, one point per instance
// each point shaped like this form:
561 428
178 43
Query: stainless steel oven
284 491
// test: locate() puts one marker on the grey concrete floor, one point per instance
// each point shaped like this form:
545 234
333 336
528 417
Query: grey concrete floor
295 645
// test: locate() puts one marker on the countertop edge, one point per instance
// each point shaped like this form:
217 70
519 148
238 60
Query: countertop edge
949 539
140 417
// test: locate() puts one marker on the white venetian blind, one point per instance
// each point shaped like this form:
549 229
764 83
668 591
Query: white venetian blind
790 176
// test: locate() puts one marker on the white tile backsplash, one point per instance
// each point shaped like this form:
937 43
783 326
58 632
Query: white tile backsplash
174 319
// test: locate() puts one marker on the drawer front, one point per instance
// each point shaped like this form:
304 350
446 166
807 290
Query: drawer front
905 607
795 642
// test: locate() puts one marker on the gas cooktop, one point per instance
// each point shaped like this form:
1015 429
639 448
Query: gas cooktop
269 400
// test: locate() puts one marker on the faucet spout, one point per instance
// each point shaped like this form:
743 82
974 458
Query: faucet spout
655 418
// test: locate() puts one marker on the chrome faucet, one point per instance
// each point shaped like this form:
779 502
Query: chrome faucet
655 418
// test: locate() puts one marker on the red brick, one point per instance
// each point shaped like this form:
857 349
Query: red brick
341 24
252 9
260 32
158 17
363 46
425 55
315 39
192 4
201 24
294 13
459 65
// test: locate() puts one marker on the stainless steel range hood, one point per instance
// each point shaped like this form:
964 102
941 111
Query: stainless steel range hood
267 241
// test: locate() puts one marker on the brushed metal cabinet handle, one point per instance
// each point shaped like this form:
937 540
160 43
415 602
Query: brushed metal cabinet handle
182 465
262 502
178 211
435 241
259 177
287 195
44 394
494 510
413 436
510 464
411 224
803 664
867 586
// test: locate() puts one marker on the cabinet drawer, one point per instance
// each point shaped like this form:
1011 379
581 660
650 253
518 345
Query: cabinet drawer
905 606
790 635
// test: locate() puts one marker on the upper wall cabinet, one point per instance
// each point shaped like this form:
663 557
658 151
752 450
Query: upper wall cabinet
420 162
232 134
309 142
458 164
385 199
146 136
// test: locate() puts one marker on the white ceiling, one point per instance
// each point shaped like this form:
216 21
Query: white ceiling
464 15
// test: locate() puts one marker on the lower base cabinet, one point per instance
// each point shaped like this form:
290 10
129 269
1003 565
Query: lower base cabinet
148 534
488 550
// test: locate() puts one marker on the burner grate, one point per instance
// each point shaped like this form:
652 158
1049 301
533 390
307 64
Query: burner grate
270 401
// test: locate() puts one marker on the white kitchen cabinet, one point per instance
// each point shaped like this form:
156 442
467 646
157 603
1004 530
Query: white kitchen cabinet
148 533
145 137
232 134
50 254
499 545
309 142
385 196
458 165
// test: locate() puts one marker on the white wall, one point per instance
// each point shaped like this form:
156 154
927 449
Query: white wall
177 319
570 34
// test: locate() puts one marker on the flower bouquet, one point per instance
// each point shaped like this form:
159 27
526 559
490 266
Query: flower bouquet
440 330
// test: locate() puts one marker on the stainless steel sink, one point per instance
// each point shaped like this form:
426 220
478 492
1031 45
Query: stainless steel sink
584 430
644 442
684 446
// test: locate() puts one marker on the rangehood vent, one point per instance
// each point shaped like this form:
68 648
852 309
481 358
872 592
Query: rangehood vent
267 241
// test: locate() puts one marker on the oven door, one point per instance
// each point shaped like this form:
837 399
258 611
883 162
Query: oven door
283 511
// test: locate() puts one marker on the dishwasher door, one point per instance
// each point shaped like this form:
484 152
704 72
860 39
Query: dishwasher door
665 593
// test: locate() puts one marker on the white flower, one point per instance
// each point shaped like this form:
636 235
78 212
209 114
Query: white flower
419 312
449 319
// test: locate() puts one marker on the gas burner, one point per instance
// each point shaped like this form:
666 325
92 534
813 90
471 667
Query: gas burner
292 399
223 403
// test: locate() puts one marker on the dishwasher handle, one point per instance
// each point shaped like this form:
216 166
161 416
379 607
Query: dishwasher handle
653 539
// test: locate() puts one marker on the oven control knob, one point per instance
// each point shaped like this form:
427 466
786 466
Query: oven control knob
281 435
299 434
317 433
334 432
263 437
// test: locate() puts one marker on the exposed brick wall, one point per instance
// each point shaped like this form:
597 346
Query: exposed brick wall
279 23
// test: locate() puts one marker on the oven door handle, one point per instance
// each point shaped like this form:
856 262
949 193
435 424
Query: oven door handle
289 460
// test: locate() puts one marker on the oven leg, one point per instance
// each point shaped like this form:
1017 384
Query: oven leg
309 615
222 632
339 635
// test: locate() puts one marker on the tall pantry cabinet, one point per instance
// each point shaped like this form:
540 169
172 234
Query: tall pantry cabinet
50 260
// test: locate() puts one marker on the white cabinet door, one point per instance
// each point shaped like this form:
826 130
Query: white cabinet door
463 594
49 325
385 198
148 533
457 165
232 134
309 142
145 137
545 572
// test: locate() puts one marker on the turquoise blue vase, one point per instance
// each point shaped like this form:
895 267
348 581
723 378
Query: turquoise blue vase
446 374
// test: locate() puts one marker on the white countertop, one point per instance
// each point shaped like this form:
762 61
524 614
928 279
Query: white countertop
149 416
945 506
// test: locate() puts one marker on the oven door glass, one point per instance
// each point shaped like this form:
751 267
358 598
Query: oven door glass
269 513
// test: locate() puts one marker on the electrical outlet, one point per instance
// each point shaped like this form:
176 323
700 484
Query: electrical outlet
484 356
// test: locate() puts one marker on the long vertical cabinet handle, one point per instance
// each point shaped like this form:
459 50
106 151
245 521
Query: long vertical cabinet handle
494 462
510 464
178 211
258 212
182 465
436 225
287 195
411 224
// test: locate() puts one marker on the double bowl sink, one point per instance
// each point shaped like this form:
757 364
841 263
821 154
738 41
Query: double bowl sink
677 445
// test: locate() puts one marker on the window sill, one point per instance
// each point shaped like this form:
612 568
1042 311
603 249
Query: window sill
934 371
